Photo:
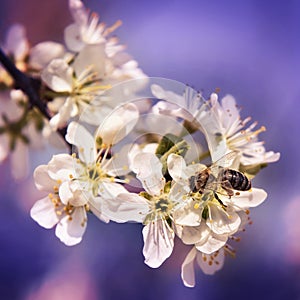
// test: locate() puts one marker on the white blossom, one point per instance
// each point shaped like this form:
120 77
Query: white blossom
208 263
153 207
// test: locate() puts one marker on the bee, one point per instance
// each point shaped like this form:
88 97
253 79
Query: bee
219 177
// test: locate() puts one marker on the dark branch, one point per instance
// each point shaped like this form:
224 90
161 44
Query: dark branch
30 87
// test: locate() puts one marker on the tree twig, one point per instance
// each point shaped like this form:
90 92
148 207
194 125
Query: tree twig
30 87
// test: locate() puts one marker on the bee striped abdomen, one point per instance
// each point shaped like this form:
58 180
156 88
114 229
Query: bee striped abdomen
237 180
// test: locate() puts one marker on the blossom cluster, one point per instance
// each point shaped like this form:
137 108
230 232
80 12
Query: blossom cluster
145 150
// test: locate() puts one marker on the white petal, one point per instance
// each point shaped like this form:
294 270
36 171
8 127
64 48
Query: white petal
158 243
77 226
78 12
65 194
118 124
212 244
61 232
125 208
110 190
95 205
77 135
63 115
94 113
4 146
81 192
195 234
149 171
62 167
73 37
119 163
16 42
188 270
43 212
245 199
188 215
212 128
231 113
58 76
42 179
42 53
91 55
210 264
222 222
176 167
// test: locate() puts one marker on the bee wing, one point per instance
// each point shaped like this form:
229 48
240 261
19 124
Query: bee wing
226 160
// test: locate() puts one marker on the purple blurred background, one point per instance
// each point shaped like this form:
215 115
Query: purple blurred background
250 49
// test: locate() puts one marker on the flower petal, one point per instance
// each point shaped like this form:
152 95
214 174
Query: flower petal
188 215
63 115
16 42
221 222
91 55
4 146
212 244
149 171
195 234
61 232
188 270
126 208
158 243
77 135
43 212
42 53
42 179
73 37
210 264
77 226
246 199
65 194
62 167
58 76
176 167
110 190
118 124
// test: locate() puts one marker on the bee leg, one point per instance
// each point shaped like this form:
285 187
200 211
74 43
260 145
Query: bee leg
220 201
228 188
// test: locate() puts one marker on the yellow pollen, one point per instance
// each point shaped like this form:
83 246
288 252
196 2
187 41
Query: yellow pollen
126 180
58 212
58 181
81 150
196 205
71 176
247 211
112 179
105 87
74 155
125 168
50 195
55 188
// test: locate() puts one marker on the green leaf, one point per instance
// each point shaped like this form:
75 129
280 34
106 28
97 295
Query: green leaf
205 213
169 144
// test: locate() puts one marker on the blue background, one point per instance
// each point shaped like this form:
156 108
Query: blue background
250 49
